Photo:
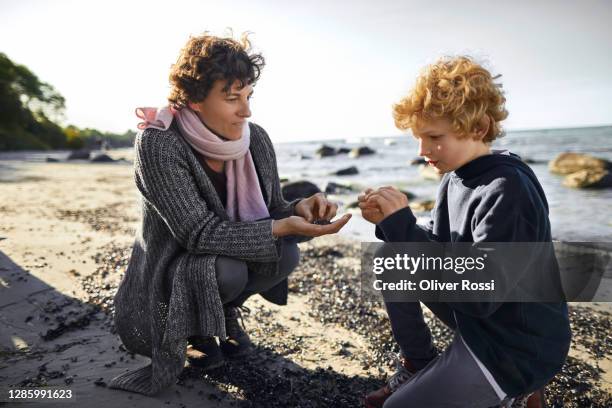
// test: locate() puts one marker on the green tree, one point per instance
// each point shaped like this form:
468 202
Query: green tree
26 106
30 110
74 137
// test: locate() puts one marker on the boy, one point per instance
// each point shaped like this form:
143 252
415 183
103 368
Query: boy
502 353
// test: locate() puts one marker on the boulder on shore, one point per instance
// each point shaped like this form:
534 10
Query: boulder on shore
589 178
299 189
102 158
582 170
82 154
567 163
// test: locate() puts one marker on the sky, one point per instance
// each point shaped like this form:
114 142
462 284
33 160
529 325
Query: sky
333 68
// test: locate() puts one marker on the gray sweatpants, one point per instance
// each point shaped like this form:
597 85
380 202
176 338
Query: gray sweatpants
236 283
450 379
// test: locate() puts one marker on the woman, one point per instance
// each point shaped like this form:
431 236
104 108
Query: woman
215 226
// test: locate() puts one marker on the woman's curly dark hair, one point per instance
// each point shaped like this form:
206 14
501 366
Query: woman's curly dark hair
206 59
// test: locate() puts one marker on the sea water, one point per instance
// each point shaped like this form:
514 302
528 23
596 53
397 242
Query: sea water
575 214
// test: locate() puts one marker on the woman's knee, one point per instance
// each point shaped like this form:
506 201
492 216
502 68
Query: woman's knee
232 277
290 258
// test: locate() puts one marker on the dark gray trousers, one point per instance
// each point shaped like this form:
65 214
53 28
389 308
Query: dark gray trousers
412 333
451 379
236 283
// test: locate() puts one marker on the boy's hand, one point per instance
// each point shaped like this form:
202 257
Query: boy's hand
387 199
369 212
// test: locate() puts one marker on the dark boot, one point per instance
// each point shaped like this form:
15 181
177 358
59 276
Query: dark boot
204 352
238 343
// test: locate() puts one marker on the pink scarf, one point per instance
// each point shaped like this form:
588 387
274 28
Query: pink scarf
244 198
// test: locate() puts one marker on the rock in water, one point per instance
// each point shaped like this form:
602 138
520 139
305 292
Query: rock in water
343 150
589 178
349 171
567 163
529 160
102 158
408 194
299 189
336 188
361 151
82 154
325 151
422 206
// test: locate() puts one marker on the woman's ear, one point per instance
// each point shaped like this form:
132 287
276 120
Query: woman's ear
194 107
482 128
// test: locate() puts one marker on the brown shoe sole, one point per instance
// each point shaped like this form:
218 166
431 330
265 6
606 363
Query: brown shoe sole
202 361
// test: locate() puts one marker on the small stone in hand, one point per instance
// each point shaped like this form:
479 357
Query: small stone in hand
321 222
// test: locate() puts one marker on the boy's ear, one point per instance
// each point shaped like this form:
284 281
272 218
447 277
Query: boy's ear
482 128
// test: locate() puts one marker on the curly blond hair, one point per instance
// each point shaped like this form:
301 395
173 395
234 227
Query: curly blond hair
207 58
457 89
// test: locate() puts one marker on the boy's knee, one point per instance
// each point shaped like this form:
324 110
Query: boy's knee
395 402
232 277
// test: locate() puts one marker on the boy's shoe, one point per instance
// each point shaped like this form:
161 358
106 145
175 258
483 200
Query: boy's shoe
238 343
204 353
404 371
533 400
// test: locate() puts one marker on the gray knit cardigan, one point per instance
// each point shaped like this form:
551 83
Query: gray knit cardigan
169 290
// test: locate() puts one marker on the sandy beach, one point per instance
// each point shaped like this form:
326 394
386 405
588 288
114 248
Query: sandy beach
65 239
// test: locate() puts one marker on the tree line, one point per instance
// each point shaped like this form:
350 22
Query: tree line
30 110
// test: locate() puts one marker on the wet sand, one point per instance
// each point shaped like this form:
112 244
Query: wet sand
65 238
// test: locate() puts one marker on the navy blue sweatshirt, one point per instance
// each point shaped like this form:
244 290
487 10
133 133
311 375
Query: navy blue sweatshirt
496 198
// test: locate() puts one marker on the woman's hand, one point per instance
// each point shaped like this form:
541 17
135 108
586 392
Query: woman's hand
296 225
316 207
381 203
